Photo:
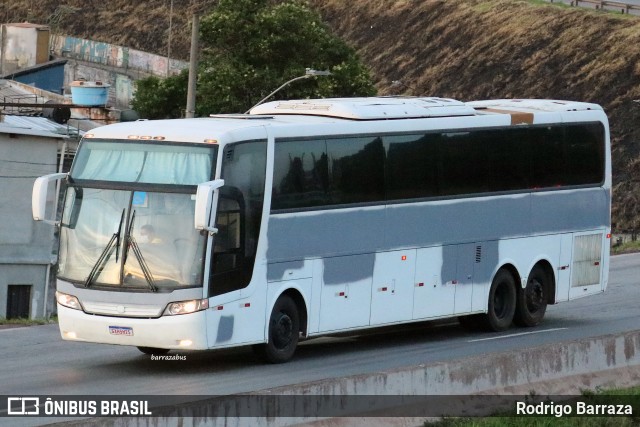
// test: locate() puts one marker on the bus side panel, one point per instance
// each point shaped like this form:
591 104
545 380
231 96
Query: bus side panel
234 322
486 261
570 210
434 296
393 284
345 299
563 272
525 253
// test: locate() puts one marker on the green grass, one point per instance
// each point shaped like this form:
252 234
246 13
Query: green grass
627 247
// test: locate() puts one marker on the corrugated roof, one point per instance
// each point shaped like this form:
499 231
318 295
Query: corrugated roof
10 129
29 117
42 124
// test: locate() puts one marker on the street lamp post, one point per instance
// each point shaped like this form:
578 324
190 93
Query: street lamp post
308 73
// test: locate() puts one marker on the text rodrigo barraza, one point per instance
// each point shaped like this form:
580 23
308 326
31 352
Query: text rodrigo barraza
577 408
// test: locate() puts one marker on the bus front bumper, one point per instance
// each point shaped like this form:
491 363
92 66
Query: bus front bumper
183 332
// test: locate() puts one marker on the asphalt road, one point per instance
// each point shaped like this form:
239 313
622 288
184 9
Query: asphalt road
35 361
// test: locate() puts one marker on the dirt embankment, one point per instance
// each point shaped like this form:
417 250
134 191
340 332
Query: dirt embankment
472 50
464 49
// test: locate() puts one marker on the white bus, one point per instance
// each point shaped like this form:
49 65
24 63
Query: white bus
311 217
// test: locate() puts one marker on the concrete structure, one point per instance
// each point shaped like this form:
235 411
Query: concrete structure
116 65
23 45
473 386
25 246
48 76
29 147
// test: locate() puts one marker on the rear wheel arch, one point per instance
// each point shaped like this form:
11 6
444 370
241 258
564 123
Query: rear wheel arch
297 297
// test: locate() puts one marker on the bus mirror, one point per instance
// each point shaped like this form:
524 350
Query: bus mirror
39 196
204 204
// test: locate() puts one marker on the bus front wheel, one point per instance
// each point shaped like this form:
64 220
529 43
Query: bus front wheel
284 332
502 302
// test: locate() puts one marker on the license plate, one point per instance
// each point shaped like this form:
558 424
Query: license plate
121 330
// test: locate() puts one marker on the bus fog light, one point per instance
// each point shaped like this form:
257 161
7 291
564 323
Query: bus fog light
185 343
186 307
68 301
70 335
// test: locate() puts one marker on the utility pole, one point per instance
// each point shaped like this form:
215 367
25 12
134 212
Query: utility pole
169 41
193 67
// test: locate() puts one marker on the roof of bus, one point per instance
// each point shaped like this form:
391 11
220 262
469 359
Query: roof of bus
322 111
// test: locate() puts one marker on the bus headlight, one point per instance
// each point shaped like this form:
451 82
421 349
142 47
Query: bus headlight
186 307
68 301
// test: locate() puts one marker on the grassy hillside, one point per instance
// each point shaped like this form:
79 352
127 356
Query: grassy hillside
476 49
464 49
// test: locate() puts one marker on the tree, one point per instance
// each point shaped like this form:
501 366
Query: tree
251 47
158 98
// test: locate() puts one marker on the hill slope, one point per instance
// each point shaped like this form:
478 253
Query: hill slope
476 49
464 49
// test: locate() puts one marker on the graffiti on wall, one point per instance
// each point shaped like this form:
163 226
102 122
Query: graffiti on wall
115 56
119 58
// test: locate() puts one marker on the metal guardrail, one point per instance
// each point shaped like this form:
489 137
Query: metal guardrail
623 7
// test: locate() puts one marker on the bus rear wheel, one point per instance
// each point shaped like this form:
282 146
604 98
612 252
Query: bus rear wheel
502 302
284 332
532 300
153 351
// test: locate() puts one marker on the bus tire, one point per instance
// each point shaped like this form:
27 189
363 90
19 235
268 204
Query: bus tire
502 302
153 351
532 299
284 331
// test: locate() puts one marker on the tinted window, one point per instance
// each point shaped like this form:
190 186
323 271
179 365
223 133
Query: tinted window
300 174
507 159
548 167
585 153
463 164
439 164
411 167
356 170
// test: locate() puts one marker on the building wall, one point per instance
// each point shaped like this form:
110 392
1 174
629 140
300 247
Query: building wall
25 245
116 65
115 56
50 79
33 276
23 45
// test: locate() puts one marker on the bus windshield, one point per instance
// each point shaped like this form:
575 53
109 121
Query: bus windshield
133 240
128 217
152 163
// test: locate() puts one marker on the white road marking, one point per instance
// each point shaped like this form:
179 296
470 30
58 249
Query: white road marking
517 335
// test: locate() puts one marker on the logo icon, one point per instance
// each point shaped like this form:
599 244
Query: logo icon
23 406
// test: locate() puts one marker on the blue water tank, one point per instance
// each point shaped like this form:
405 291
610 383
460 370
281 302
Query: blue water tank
89 94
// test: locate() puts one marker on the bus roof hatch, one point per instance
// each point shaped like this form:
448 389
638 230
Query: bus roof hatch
377 108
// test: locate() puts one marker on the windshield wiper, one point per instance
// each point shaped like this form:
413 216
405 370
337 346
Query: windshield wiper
131 243
114 243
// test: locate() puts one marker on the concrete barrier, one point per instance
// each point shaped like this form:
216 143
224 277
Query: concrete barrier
565 368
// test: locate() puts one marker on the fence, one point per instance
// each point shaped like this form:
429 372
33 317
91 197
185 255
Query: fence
623 7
